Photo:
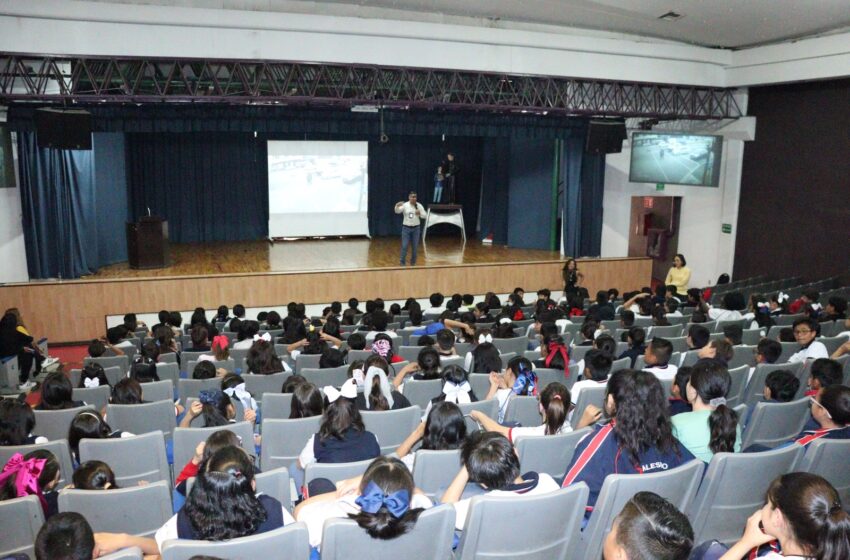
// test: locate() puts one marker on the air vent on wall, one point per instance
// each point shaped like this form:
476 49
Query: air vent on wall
671 16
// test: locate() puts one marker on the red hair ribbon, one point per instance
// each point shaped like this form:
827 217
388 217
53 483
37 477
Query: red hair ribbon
221 341
26 481
562 350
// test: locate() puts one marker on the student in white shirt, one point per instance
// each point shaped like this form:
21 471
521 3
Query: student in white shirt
413 213
553 407
489 459
805 331
657 358
733 304
597 366
436 300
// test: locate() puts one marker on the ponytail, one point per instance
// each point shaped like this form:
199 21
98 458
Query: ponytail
215 408
555 400
723 423
377 400
835 534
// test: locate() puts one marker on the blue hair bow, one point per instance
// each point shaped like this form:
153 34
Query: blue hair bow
525 379
212 397
373 498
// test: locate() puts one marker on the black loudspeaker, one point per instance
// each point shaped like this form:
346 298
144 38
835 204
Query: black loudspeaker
605 136
63 129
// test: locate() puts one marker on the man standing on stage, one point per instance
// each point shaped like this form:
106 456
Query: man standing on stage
412 212
449 172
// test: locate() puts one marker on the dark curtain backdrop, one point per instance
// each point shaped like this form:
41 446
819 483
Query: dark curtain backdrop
530 196
583 179
210 187
110 183
58 206
495 189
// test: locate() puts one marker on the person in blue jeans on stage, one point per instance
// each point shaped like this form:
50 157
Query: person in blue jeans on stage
412 213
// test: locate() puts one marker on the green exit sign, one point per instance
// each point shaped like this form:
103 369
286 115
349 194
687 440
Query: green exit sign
726 228
659 186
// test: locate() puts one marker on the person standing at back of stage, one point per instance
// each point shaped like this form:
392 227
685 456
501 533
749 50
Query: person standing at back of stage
412 214
572 277
438 185
449 169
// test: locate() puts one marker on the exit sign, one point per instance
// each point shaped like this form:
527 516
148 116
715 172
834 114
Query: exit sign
659 186
726 228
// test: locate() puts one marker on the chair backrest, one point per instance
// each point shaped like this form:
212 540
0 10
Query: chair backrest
420 393
22 519
107 511
549 454
743 356
168 371
158 391
680 343
335 471
490 531
329 376
489 407
577 353
689 358
307 361
54 424
666 331
623 363
132 553
755 387
291 541
546 376
828 458
788 350
718 328
284 439
525 411
229 364
132 459
274 483
123 362
678 485
787 320
589 395
507 358
739 385
187 439
516 345
143 418
238 356
463 348
751 337
59 448
433 471
832 343
392 427
772 424
277 406
189 355
192 387
431 537
258 385
97 397
733 488
480 383
409 353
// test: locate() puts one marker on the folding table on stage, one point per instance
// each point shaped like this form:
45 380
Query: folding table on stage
444 214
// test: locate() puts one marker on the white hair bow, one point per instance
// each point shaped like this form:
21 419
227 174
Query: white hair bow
815 306
482 338
358 376
240 393
505 321
91 382
371 374
265 336
782 296
762 304
458 394
714 403
347 390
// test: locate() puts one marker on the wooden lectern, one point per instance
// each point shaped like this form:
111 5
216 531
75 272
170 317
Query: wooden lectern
147 243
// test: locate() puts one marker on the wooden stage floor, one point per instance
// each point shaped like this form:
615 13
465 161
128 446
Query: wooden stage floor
202 259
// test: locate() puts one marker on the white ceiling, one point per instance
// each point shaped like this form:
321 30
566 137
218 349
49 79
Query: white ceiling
711 23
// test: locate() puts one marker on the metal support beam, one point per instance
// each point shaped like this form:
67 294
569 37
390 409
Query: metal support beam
87 79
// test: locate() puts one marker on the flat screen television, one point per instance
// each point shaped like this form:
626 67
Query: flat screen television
675 159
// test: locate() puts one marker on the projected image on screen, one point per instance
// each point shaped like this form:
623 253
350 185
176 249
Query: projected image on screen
318 188
675 159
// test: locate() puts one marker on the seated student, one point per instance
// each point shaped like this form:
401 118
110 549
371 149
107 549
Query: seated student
835 310
216 408
238 315
733 304
382 346
636 338
90 424
39 474
805 331
489 459
262 359
671 307
425 340
144 372
822 374
92 376
602 310
445 343
554 354
307 401
803 512
436 299
554 406
332 358
426 367
597 366
383 501
659 317
310 344
378 393
203 451
57 393
380 320
657 357
734 334
484 357
481 312
66 536
204 370
246 333
444 428
119 337
504 328
698 336
17 421
808 297
444 321
831 412
712 427
588 332
94 475
679 390
780 386
233 386
456 387
640 304
786 334
356 341
627 319
222 314
98 347
649 527
767 352
627 444
200 339
719 351
518 379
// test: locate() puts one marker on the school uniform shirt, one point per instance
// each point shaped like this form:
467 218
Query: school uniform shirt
532 484
126 343
315 514
243 344
535 431
718 314
678 406
355 446
808 436
429 329
433 311
599 454
178 526
504 396
692 431
579 385
813 351
665 372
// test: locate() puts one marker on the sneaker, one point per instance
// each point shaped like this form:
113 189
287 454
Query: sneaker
28 386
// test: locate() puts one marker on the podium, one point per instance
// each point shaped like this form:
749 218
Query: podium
147 243
444 214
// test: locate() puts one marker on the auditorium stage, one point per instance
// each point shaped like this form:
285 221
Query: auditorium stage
262 275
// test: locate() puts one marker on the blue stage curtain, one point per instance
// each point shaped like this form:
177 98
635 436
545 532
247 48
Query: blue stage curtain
495 183
583 177
532 169
58 206
210 187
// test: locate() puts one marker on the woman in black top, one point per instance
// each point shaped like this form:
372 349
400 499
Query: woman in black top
571 277
15 343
